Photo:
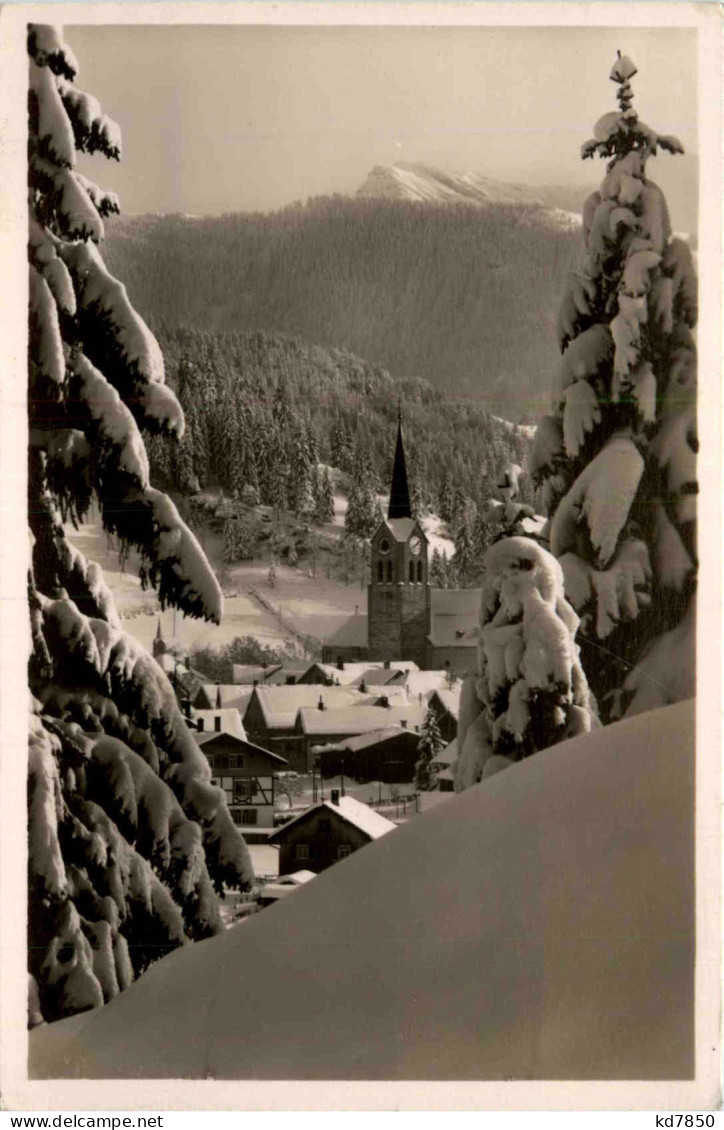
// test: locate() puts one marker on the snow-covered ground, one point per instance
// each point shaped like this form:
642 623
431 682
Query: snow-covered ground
311 604
538 926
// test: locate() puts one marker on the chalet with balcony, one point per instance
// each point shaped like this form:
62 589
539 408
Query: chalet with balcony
246 774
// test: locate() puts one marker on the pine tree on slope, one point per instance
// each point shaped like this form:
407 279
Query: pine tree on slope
128 840
616 460
428 747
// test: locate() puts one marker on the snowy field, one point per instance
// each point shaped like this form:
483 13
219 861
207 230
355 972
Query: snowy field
313 605
538 926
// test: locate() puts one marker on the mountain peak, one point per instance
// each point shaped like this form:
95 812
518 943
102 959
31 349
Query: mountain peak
421 182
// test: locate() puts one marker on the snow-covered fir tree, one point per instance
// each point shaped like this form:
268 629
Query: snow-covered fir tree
239 545
509 516
129 842
323 497
430 744
616 459
531 691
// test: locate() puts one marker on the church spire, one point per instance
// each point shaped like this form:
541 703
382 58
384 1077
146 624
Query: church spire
399 494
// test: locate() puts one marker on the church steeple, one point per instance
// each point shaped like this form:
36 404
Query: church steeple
159 643
399 493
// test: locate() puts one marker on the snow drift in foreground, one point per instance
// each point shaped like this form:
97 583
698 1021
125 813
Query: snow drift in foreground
537 926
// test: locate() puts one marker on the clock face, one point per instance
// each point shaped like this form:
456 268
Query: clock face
415 545
384 546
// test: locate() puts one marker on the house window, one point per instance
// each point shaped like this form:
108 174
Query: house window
325 825
343 851
389 570
302 851
236 815
249 816
244 789
412 571
379 572
419 572
210 761
236 761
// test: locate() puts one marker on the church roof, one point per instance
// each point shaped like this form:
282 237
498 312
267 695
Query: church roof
454 617
401 528
399 493
352 633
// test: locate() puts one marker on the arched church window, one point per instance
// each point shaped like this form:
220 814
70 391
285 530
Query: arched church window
389 570
419 572
379 572
412 571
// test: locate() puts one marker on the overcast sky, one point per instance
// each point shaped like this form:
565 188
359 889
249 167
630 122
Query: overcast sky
219 119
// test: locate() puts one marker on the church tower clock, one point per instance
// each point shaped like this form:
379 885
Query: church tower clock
399 593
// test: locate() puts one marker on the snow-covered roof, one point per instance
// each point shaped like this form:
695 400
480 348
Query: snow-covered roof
250 673
205 740
454 617
595 885
293 669
352 811
363 741
229 719
425 682
380 676
352 633
280 705
231 695
359 719
332 672
449 698
447 756
388 696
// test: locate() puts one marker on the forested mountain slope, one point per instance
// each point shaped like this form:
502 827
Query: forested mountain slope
463 297
262 409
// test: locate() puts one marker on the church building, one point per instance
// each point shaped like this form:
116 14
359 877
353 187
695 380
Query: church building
407 618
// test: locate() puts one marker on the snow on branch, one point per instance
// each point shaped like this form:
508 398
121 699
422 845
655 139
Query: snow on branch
47 48
120 446
119 343
602 496
93 131
48 354
105 203
53 132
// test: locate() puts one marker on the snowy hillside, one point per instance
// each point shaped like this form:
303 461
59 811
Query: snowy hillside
538 926
422 183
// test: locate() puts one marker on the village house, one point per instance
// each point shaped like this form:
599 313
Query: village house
226 720
444 763
317 726
407 618
446 704
215 696
270 719
246 774
326 833
387 755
